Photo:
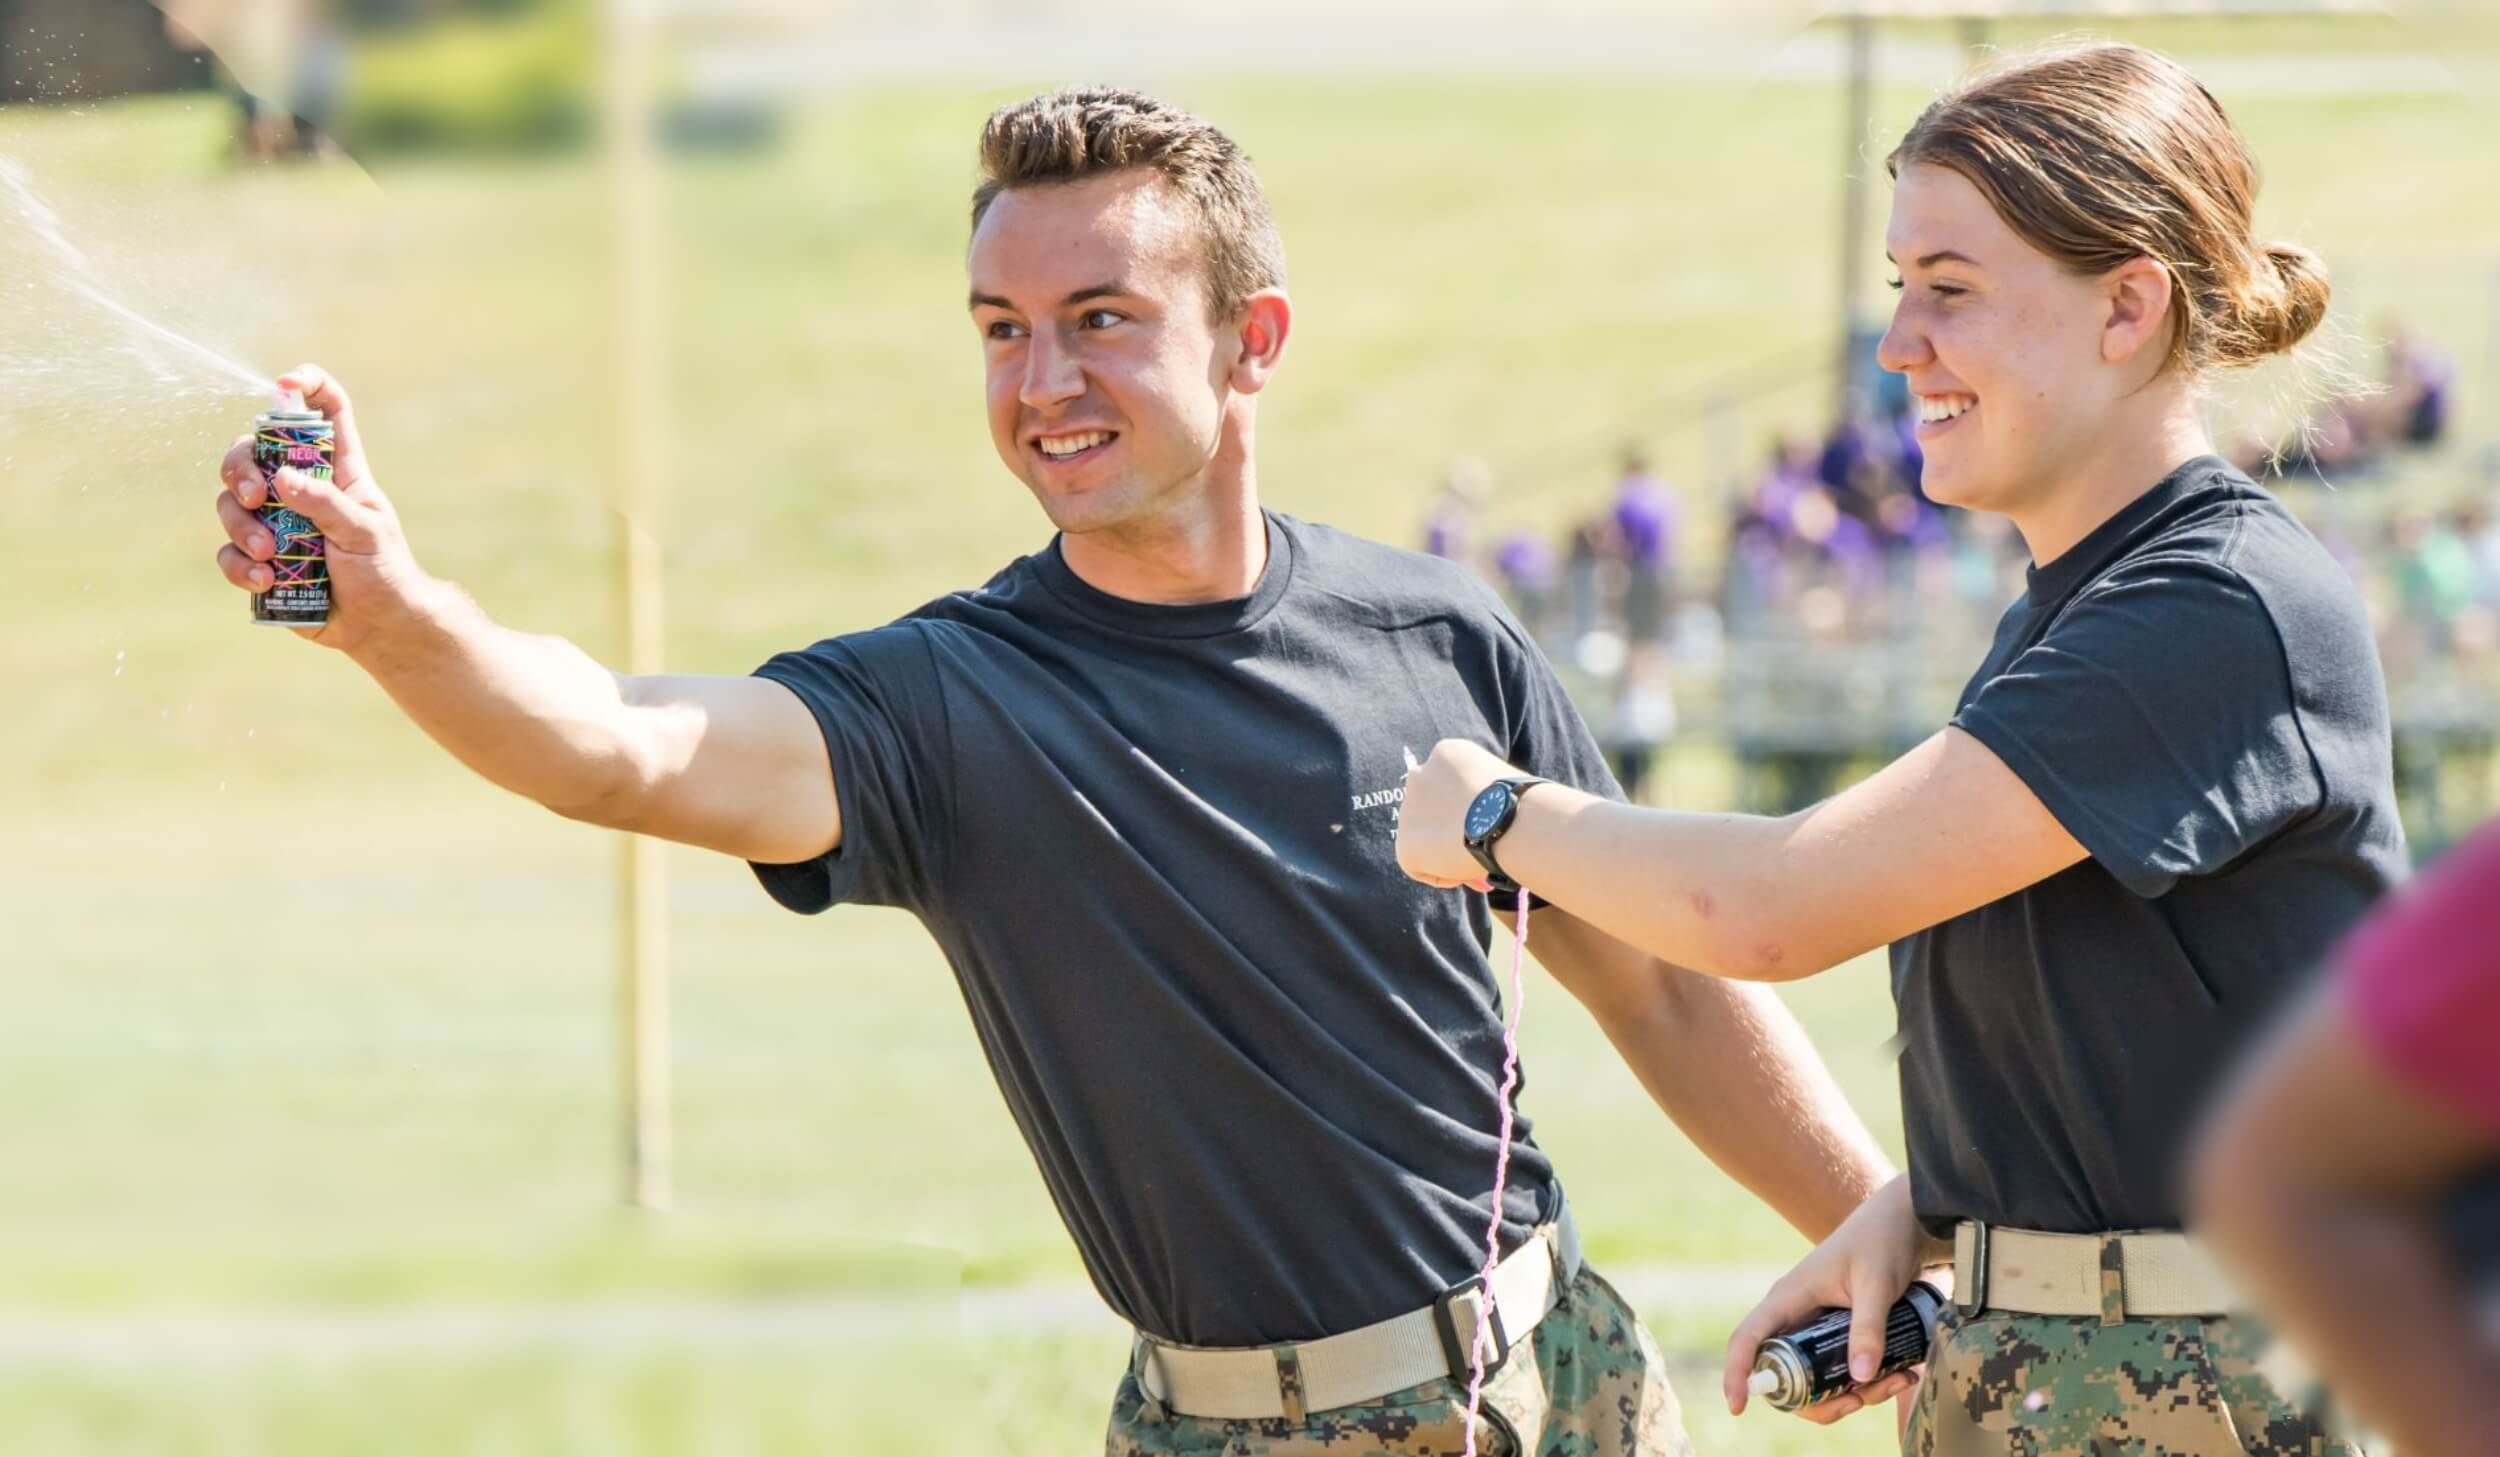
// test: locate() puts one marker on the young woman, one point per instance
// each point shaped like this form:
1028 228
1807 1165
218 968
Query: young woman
2163 795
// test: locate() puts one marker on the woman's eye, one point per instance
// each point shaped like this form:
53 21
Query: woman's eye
1948 290
1893 283
1100 319
1001 329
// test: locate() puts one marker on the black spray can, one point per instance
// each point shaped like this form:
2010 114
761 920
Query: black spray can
1803 1366
299 592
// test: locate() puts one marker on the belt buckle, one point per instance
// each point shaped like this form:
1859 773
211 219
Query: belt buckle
1458 1352
1970 1294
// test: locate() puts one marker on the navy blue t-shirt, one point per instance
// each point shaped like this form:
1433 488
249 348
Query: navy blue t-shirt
1256 1064
2193 692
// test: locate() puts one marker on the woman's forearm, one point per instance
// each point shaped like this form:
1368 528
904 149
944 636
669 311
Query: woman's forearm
1699 890
1942 829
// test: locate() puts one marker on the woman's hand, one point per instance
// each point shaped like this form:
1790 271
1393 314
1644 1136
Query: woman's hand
1863 1267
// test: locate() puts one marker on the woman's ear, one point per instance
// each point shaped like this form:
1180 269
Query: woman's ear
2139 292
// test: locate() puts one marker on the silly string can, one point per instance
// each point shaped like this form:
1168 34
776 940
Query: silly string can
1811 1362
299 592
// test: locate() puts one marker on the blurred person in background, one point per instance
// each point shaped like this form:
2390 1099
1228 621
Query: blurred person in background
287 61
1840 551
2481 531
1141 789
1450 526
259 53
1852 447
1645 518
1592 589
1524 563
2165 791
2420 381
1760 530
1643 719
2333 1175
2363 428
316 83
2436 573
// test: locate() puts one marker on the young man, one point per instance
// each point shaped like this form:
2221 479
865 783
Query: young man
1142 788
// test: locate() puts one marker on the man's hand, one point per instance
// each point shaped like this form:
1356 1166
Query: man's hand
1863 1268
1432 836
375 582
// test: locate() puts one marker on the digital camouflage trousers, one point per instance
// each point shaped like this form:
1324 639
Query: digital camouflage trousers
2006 1385
1587 1383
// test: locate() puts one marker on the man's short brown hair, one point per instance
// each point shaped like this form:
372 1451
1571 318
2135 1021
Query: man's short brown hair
1079 132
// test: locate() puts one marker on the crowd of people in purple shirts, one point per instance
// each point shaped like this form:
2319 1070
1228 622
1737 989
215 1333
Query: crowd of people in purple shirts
2362 430
1829 536
1833 541
1834 545
1834 527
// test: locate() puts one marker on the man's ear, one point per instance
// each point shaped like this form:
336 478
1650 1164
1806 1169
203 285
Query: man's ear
2139 292
1266 321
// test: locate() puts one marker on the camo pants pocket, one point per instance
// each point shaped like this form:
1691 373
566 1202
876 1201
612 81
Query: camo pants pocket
2006 1385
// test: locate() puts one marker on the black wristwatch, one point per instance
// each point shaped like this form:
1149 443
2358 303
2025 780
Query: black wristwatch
1488 818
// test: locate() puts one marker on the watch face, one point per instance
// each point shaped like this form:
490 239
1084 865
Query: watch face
1486 812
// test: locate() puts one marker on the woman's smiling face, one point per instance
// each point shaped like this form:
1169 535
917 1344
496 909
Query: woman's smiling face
2002 345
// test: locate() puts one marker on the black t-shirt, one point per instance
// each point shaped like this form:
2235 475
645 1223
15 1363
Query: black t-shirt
2192 690
1256 1063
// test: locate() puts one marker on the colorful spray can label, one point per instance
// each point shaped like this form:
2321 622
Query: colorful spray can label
299 595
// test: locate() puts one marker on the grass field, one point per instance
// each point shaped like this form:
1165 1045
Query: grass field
300 1017
968 1399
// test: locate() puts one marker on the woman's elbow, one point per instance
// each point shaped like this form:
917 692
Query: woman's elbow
1758 948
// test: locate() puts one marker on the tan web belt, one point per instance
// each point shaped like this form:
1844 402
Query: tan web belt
1291 1381
2160 1273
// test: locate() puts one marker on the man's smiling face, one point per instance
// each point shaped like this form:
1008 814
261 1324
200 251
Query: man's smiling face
1107 380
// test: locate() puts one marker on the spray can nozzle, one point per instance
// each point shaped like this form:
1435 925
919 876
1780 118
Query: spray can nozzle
1811 1362
291 402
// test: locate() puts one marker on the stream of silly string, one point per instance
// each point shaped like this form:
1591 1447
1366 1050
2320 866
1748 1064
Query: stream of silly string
53 261
75 275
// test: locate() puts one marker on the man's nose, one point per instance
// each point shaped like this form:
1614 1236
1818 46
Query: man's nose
1052 375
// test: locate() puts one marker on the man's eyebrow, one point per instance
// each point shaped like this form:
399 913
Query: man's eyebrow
1090 291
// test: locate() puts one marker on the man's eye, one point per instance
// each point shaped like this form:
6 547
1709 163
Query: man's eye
1002 329
1101 318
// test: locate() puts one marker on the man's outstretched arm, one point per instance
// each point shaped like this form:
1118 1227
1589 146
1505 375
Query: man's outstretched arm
730 764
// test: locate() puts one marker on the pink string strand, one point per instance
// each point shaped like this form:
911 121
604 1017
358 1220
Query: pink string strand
1501 1176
